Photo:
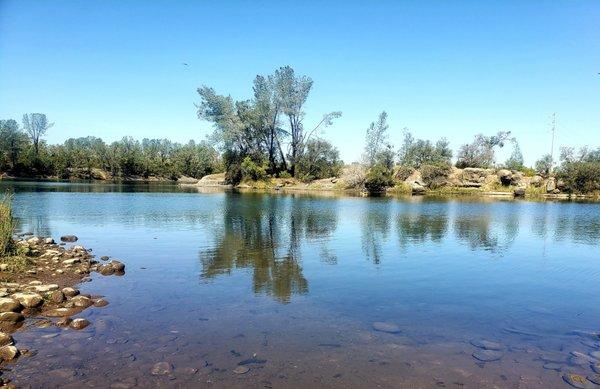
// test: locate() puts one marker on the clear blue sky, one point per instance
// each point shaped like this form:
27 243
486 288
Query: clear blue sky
440 68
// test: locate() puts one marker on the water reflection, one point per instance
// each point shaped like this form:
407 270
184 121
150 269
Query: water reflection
264 235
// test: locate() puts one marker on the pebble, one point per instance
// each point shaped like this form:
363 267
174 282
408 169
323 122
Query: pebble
9 304
57 297
487 344
11 317
577 381
104 258
79 324
241 370
487 355
6 339
390 328
162 368
8 353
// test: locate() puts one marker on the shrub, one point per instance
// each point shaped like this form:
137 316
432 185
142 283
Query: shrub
355 176
435 175
284 174
404 172
253 171
581 177
544 165
378 178
319 160
6 226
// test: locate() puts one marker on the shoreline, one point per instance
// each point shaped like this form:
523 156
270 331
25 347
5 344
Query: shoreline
38 288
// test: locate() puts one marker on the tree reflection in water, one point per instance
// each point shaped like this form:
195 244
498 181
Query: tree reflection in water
265 234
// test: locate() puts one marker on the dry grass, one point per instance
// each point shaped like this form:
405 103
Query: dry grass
6 226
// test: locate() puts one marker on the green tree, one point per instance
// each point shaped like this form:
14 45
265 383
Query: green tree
36 125
320 159
481 152
417 152
515 161
12 144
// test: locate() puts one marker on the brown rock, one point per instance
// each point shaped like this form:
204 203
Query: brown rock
6 339
8 304
57 297
70 292
79 324
8 353
28 299
100 303
11 317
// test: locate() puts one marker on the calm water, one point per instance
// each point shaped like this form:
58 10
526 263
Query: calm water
214 278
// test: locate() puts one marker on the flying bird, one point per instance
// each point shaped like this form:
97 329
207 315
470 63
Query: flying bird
184 64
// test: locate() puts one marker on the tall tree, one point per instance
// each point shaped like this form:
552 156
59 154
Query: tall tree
36 125
377 138
12 142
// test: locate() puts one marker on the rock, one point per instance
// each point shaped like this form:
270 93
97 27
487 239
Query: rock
64 322
61 312
100 303
6 339
416 188
595 378
519 191
3 266
595 354
550 185
79 324
390 328
48 241
106 270
104 258
596 367
8 304
537 181
57 297
505 176
577 381
8 353
28 299
552 366
162 368
81 301
488 355
34 241
487 344
69 238
241 370
11 317
126 383
45 288
70 292
118 266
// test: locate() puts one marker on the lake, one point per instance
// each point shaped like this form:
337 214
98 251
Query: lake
290 286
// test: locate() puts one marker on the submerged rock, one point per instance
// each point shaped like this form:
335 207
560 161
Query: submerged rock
162 368
552 366
578 381
79 324
69 238
487 344
488 355
390 328
241 370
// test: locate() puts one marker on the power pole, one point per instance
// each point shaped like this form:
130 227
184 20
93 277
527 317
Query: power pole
552 144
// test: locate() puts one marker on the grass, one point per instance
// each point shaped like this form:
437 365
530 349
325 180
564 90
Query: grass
7 246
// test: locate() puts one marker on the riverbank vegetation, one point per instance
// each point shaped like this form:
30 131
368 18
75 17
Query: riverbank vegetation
265 140
6 226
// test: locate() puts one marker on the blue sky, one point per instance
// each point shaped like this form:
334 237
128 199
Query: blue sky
440 68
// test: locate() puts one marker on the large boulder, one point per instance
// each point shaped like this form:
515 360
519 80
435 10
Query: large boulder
550 185
28 299
536 181
416 188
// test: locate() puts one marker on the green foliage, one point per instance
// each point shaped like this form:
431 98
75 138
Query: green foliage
83 157
480 153
417 152
435 175
253 171
284 174
319 160
378 179
515 161
6 226
376 139
581 177
259 127
543 166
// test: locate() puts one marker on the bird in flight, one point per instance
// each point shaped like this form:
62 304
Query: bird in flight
185 64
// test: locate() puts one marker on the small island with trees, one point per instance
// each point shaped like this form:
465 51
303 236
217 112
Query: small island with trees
264 143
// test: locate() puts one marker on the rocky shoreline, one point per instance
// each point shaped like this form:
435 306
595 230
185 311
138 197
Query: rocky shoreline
38 289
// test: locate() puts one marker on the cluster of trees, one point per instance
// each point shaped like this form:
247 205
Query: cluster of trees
23 152
266 135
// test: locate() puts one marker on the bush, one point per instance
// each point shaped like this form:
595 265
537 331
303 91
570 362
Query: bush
319 160
404 172
253 171
6 226
378 179
581 177
284 174
355 176
435 175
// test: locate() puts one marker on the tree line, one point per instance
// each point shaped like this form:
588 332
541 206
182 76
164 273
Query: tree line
23 152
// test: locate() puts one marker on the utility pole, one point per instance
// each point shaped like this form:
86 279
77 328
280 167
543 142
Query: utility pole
552 144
